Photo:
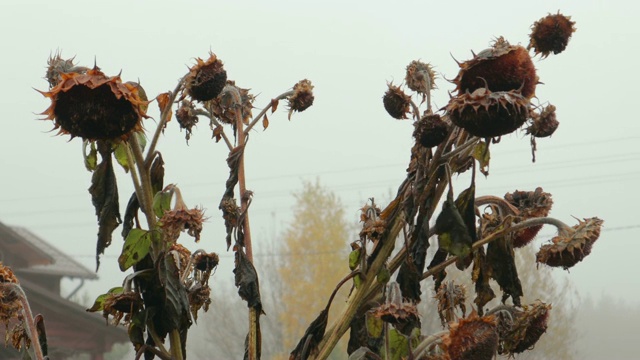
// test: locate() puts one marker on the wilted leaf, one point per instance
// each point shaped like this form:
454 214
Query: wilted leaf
104 196
42 334
246 280
99 302
452 231
120 154
162 202
465 203
438 258
156 173
480 276
308 345
274 105
90 159
500 258
230 211
136 247
142 139
217 133
163 101
175 314
482 154
130 214
265 122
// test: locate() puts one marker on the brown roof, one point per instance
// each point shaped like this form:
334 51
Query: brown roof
62 264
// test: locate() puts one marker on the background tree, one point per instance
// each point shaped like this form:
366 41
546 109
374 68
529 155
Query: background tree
315 248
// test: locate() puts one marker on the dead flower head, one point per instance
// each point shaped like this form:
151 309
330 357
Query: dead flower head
551 34
186 117
173 222
472 338
522 329
94 106
531 204
232 102
396 102
206 79
543 123
571 246
420 77
302 97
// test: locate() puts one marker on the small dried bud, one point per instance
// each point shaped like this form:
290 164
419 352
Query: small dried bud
58 66
544 124
206 79
199 297
450 296
572 245
396 102
551 34
302 97
232 99
420 77
206 262
430 130
186 117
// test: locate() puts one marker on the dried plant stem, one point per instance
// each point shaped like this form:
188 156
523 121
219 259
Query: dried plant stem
427 342
29 322
503 204
146 201
256 119
562 228
335 332
209 114
253 339
459 149
165 115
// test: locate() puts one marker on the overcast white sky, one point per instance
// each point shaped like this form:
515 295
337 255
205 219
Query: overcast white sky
349 50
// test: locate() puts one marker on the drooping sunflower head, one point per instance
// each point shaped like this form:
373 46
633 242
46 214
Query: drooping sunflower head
95 106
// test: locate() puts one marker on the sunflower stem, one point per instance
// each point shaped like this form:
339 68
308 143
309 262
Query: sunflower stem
165 115
255 120
176 345
29 322
213 120
562 229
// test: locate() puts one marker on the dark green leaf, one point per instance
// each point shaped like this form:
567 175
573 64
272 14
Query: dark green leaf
175 314
90 159
136 247
453 234
246 280
104 196
399 343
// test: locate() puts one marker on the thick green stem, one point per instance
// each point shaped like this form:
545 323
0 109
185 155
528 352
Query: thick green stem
176 345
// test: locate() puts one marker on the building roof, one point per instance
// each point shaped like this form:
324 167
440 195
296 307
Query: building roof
62 264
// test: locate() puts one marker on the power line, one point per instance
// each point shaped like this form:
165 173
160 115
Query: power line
315 253
352 169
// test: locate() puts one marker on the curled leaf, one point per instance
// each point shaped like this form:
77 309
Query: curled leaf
246 280
91 158
265 122
308 345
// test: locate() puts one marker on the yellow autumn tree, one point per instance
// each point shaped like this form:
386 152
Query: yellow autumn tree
314 259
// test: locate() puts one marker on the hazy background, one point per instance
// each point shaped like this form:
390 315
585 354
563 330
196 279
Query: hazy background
349 50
